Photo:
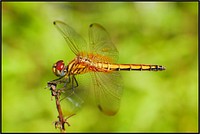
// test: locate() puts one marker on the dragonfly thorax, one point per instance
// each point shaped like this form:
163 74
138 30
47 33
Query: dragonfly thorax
59 68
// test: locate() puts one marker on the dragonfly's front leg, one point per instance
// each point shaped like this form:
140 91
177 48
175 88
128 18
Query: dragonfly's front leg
55 83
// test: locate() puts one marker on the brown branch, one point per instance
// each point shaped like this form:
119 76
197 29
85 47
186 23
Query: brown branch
56 93
61 122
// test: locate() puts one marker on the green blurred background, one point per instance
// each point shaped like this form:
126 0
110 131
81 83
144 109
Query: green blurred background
151 33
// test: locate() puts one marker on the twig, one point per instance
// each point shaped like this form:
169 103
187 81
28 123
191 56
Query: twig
61 122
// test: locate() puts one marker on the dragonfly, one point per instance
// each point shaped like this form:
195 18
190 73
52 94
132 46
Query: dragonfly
99 59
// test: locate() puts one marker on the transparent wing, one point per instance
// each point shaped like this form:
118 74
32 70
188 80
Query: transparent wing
74 95
71 102
100 42
75 41
107 86
108 91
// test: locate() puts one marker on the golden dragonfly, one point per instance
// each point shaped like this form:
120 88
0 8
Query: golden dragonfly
99 58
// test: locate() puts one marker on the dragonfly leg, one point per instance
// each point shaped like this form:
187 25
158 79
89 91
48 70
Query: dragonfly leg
55 82
52 84
74 80
63 89
74 84
66 82
72 88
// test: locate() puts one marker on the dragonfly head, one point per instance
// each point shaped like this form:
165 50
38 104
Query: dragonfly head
59 68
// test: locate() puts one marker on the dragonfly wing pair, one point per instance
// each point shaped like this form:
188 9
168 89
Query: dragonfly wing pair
107 85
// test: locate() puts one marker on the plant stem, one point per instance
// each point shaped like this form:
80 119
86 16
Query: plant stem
61 123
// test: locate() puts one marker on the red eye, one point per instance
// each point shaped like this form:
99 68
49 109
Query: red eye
60 65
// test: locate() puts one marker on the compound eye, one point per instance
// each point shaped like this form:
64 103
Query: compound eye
60 65
59 68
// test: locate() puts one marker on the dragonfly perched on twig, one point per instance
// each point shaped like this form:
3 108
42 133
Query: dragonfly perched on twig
99 58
